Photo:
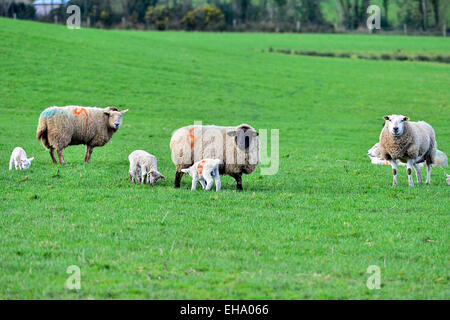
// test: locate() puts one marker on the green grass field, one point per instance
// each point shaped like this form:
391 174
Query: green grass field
310 231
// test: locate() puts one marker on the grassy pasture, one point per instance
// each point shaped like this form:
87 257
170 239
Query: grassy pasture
309 231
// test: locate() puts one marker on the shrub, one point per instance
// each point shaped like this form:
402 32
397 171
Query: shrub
205 18
158 16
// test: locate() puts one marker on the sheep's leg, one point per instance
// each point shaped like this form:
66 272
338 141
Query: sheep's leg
202 182
209 180
143 176
418 173
394 171
217 180
238 178
11 162
178 176
409 166
194 183
428 173
87 157
52 155
60 156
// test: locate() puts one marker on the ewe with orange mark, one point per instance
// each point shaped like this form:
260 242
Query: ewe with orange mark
236 147
60 127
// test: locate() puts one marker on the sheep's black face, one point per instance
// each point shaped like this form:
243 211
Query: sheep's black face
243 137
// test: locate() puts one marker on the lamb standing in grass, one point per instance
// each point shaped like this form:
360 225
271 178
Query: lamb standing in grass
204 171
410 142
60 127
19 159
143 167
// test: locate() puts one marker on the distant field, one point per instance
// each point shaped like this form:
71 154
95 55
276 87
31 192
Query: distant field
311 231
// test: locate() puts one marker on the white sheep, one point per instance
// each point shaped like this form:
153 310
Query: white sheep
143 166
19 159
204 171
236 147
410 142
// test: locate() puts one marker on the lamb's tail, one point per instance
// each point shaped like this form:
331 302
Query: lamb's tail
42 133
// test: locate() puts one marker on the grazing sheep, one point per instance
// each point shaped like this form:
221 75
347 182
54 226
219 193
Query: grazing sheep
204 170
60 127
19 159
143 166
441 159
236 147
410 142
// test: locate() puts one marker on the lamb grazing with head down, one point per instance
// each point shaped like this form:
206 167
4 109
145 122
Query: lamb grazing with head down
237 148
204 171
410 142
60 127
143 167
19 159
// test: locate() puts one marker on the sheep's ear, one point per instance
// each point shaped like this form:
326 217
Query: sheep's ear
255 134
124 111
386 118
31 159
107 113
405 119
232 133
185 170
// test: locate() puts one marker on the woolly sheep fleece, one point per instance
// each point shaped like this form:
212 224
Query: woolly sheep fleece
60 127
418 140
193 143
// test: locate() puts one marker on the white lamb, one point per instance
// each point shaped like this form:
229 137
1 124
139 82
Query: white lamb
204 171
143 166
19 159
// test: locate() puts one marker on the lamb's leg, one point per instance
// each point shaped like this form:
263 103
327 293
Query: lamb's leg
217 180
209 180
394 171
52 155
60 156
178 176
11 162
194 183
418 173
87 157
428 173
202 182
144 176
409 166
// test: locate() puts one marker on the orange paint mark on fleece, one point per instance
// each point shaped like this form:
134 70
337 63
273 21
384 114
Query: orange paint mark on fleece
200 167
78 111
191 138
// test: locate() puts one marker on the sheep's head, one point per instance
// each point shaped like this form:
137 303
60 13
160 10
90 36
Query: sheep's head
154 176
243 136
26 163
395 124
114 117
